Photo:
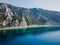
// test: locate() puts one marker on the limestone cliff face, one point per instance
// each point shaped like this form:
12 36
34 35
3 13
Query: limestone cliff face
12 16
23 22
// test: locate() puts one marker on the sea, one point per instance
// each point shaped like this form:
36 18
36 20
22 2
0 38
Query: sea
31 36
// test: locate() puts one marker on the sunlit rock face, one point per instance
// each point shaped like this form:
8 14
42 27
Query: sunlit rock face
12 16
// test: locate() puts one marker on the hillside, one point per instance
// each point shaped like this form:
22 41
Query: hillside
12 16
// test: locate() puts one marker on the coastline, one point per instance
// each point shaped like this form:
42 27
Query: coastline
33 26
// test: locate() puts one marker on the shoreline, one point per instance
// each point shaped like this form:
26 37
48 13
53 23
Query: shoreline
33 26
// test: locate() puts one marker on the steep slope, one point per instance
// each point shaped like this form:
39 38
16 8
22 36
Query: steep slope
12 16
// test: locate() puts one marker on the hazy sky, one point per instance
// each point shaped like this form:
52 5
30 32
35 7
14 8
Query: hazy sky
45 4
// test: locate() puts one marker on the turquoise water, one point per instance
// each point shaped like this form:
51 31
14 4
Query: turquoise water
31 36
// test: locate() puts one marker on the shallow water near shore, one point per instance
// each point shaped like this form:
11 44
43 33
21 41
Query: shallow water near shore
31 36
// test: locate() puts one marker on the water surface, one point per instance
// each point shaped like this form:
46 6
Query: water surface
48 36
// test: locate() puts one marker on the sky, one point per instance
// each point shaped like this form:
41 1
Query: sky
44 4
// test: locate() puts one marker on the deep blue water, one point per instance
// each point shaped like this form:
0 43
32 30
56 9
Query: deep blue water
51 36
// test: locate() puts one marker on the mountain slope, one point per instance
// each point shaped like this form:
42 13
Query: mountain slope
12 16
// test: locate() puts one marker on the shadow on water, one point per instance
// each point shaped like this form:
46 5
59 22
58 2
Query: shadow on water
10 34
